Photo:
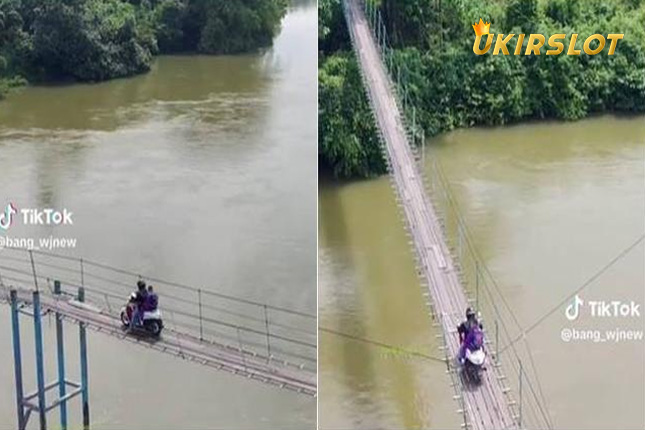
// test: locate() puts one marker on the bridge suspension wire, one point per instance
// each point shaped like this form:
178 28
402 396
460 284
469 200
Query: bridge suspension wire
128 288
237 359
116 296
465 235
396 349
177 285
476 255
536 404
290 333
584 285
173 311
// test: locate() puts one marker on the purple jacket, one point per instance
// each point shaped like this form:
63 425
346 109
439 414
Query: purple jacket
474 339
151 302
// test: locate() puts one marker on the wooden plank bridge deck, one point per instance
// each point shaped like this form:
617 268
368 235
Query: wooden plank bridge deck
246 363
486 406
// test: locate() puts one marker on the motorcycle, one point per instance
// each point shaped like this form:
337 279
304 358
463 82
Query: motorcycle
474 364
151 321
474 356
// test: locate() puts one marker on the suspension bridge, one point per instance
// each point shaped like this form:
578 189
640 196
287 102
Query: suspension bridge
447 262
257 341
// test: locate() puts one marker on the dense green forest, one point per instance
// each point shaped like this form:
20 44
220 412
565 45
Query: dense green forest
451 87
93 40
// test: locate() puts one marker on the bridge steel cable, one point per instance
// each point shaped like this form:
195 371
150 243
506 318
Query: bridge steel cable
27 280
268 343
221 357
128 288
464 238
99 292
464 233
133 275
394 348
487 407
535 404
177 285
475 255
588 282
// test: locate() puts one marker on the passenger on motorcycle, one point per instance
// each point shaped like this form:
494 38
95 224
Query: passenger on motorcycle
470 335
152 300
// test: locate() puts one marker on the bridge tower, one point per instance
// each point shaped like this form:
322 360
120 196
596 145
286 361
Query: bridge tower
37 401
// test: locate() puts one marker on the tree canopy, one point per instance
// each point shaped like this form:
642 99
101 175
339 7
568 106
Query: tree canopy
94 40
452 87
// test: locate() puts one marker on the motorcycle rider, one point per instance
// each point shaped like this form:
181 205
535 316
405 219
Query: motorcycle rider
139 300
470 334
152 300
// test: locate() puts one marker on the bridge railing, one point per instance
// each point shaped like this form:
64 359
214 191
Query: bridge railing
277 333
513 360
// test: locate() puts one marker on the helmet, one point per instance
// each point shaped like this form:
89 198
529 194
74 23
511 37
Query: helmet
470 313
141 284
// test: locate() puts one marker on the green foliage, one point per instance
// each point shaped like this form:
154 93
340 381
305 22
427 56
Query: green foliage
93 40
452 87
347 135
217 26
169 16
348 143
7 84
253 22
332 32
564 12
522 14
89 40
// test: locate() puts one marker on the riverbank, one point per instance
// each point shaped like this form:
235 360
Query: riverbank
451 87
93 41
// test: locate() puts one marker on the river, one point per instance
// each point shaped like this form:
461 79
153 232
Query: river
202 172
548 205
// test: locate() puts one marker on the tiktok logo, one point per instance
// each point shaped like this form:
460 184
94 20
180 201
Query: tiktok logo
573 310
6 218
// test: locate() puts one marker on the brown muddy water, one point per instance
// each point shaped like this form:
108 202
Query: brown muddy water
202 172
548 205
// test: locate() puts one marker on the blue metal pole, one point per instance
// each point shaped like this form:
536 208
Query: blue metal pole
17 359
61 362
84 382
40 367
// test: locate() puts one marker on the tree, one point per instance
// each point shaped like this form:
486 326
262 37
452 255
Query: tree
451 87
522 14
93 40
89 40
169 16
348 142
